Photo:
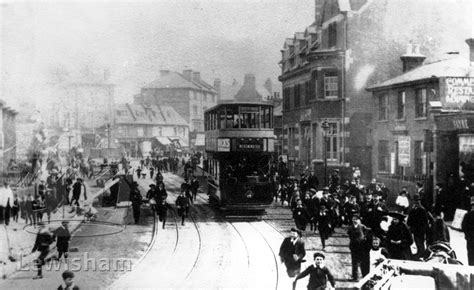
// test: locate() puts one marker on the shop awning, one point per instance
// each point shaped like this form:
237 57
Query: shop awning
200 140
163 140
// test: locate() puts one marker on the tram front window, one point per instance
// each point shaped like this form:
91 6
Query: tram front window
245 170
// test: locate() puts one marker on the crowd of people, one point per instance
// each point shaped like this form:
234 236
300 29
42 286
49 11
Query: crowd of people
375 231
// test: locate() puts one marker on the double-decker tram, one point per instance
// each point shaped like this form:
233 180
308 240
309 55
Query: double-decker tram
239 147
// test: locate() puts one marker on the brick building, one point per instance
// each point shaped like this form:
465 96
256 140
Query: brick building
186 93
424 122
351 45
140 128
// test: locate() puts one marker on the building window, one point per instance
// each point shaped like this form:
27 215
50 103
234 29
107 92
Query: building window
286 98
401 101
140 132
419 158
195 110
332 35
383 107
420 103
296 89
384 156
333 142
330 86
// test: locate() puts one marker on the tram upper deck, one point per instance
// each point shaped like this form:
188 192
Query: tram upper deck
237 120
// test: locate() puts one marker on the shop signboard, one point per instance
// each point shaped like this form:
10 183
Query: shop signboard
404 151
459 92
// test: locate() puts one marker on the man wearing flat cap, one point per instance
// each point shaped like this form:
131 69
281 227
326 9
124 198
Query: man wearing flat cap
419 224
292 252
399 237
467 227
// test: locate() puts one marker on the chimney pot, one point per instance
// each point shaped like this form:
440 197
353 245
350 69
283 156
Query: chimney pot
197 76
164 72
470 42
409 49
417 49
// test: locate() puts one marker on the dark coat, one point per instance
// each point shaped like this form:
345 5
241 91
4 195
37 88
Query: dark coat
182 203
43 239
287 250
357 237
418 221
62 238
318 277
301 217
399 232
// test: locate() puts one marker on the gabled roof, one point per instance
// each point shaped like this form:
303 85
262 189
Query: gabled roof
288 42
171 80
454 67
310 30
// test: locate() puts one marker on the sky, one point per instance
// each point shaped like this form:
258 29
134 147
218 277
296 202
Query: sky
135 40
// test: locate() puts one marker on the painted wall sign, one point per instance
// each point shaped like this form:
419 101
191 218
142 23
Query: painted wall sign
404 151
459 91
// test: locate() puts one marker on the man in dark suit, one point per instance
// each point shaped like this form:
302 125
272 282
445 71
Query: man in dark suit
292 252
419 224
194 187
62 239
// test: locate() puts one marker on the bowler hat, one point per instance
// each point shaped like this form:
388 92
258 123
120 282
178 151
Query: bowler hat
317 254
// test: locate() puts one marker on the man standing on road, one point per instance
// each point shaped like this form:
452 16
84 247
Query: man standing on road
468 229
419 224
194 187
358 236
292 252
63 236
136 199
182 203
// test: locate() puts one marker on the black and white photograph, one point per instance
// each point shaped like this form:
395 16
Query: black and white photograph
237 144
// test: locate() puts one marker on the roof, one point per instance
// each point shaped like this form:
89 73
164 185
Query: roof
175 80
454 67
151 115
299 35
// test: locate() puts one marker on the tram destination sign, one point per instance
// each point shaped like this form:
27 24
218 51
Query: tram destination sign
249 144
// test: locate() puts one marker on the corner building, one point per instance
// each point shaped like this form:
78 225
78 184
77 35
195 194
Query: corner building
351 45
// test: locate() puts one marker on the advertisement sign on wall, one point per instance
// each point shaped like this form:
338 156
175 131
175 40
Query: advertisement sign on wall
223 145
404 151
459 91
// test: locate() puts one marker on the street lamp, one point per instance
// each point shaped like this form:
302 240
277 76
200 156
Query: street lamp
325 127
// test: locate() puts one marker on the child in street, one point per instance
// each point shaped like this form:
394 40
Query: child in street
319 275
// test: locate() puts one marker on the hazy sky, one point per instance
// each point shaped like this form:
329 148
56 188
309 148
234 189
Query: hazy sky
224 39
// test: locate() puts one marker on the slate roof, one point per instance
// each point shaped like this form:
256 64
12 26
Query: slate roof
173 80
454 67
156 115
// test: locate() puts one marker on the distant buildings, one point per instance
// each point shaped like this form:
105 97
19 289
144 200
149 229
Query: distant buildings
7 135
351 45
187 94
142 128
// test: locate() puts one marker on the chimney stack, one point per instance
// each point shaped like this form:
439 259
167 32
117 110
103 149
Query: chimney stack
164 72
470 42
412 59
318 11
197 76
188 74
217 84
